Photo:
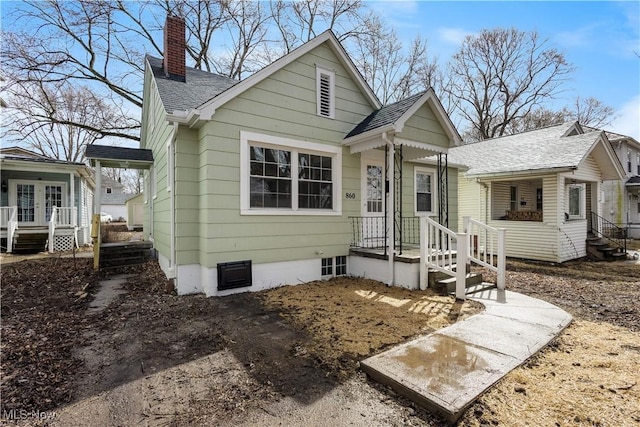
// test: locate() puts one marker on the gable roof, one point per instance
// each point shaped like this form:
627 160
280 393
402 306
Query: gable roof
392 117
199 86
554 148
385 116
219 90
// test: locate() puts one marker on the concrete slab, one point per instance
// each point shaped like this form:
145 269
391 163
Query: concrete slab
446 371
109 290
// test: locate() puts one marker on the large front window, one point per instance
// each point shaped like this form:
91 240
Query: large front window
280 176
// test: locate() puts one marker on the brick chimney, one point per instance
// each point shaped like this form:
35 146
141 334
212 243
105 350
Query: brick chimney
174 48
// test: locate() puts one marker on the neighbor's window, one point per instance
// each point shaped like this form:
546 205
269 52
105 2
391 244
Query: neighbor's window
290 177
424 182
325 97
109 190
576 201
638 163
629 161
513 198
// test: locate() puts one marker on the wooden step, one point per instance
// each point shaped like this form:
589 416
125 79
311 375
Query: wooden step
448 285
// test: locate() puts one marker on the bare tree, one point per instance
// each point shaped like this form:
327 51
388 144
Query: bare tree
59 121
501 75
381 58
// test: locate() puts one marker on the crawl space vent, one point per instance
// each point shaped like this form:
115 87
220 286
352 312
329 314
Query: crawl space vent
233 275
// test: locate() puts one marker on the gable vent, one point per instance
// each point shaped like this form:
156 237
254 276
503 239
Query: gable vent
325 93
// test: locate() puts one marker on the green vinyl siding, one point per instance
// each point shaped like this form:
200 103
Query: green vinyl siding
424 127
155 136
282 105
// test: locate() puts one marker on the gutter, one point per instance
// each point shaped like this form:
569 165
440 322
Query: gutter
523 173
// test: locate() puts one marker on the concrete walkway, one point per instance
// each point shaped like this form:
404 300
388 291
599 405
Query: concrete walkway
447 370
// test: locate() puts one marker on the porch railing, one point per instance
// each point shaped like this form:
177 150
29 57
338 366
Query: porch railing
486 247
607 230
370 232
61 217
437 245
9 220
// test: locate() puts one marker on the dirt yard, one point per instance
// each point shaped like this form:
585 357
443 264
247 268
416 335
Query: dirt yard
153 358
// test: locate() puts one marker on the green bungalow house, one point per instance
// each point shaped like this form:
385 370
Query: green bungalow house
280 178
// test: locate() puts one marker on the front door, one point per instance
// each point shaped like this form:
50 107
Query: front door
35 200
373 194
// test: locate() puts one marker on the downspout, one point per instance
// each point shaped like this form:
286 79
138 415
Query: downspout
390 212
172 199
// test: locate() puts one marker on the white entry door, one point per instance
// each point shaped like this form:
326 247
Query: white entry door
36 199
373 194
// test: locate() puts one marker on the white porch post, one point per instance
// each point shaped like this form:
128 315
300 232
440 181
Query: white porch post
461 268
502 258
72 195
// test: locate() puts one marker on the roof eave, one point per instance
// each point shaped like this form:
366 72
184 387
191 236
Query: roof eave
529 172
368 135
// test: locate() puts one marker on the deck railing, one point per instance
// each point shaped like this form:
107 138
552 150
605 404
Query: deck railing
607 230
437 245
9 220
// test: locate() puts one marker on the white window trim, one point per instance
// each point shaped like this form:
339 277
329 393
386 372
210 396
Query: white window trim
583 201
434 208
269 141
332 91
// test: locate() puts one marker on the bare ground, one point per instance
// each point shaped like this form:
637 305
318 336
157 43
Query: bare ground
162 359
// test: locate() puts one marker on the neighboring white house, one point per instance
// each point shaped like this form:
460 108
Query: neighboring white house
542 186
621 198
43 199
114 198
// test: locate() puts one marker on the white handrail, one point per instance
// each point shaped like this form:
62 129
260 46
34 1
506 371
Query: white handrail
436 251
482 242
52 227
9 219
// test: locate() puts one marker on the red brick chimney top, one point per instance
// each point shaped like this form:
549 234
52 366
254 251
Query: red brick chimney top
174 48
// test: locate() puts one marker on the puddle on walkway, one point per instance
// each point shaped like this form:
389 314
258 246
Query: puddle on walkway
444 365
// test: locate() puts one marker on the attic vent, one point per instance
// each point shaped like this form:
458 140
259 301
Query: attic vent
325 92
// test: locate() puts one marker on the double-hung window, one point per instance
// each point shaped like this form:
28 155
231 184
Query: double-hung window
424 190
283 176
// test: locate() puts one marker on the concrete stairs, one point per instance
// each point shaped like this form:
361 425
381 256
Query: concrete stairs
125 254
599 249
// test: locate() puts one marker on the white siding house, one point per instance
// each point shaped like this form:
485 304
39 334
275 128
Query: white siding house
542 186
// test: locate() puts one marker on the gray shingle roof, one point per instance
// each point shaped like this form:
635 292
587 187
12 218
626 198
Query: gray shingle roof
16 153
386 115
200 86
634 180
95 151
544 148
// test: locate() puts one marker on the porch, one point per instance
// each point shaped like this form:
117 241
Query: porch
426 254
19 235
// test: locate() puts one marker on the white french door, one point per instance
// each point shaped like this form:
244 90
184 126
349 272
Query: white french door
36 199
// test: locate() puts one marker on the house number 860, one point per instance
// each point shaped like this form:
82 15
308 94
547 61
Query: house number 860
350 195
